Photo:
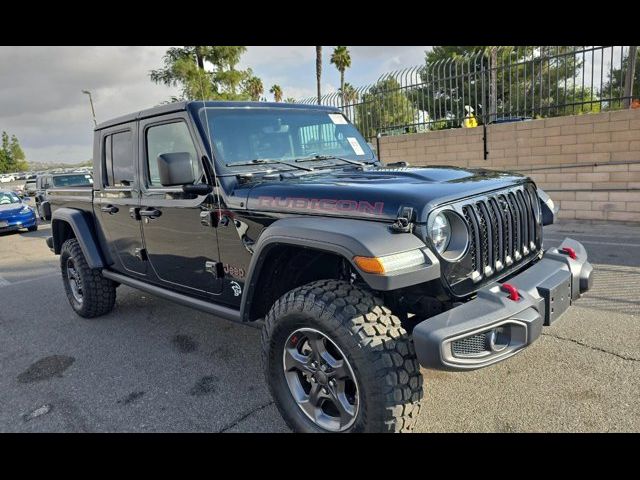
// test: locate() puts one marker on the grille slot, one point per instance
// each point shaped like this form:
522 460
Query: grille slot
503 230
472 346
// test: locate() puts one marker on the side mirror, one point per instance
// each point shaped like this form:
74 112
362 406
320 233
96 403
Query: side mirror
175 169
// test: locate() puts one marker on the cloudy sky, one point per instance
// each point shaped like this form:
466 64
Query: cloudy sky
41 100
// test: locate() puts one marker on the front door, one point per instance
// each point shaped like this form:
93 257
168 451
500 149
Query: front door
117 195
180 242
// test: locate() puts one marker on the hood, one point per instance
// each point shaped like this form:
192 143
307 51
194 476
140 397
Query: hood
376 194
10 209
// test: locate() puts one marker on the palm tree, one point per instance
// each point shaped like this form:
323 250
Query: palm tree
342 60
349 93
319 72
277 93
254 88
289 100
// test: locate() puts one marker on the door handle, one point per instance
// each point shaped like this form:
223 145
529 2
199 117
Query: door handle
110 209
150 213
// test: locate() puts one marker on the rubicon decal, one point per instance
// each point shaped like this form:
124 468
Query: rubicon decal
322 204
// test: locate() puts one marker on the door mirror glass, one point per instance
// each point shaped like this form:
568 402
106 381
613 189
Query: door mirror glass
175 169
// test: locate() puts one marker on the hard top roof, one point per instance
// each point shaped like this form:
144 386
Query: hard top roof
182 106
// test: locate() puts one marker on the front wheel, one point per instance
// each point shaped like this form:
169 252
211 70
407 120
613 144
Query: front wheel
337 360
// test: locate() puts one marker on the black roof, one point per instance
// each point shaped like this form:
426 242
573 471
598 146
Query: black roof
182 106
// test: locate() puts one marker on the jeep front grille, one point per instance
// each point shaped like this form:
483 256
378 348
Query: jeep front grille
503 228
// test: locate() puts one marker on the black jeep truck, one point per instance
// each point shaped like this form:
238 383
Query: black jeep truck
359 272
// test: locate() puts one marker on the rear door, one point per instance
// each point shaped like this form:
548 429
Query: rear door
180 242
118 195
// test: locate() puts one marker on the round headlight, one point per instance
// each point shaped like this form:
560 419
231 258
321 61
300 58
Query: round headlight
440 232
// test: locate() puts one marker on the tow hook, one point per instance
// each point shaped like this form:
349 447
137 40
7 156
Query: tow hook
403 221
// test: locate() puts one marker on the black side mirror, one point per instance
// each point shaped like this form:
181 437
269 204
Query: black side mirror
175 169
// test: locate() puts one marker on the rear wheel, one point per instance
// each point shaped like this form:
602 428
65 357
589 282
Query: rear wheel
337 360
89 293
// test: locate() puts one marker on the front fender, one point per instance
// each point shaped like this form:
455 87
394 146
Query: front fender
347 238
83 231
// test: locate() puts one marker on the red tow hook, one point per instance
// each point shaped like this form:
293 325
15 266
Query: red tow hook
511 290
571 252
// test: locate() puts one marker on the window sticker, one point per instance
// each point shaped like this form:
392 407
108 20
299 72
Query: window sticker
355 145
338 118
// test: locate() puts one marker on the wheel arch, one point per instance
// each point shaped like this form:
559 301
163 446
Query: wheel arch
333 239
69 223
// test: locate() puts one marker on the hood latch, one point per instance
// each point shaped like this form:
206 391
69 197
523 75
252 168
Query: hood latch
403 223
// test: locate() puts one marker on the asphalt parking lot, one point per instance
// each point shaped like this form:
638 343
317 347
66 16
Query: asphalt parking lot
153 366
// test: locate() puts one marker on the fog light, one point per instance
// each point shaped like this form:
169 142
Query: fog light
498 339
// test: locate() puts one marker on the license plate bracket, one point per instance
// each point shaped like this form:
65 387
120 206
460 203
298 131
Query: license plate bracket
556 292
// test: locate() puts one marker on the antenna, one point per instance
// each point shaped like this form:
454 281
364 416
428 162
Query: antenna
212 160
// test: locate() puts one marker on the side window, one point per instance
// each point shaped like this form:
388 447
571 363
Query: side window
118 160
169 138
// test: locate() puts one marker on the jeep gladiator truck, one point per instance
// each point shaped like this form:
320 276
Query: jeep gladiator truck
359 273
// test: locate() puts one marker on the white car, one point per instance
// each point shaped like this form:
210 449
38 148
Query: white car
7 178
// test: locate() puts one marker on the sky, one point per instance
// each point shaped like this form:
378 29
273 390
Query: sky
42 104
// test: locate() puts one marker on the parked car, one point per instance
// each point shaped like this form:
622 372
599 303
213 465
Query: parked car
29 187
56 180
361 272
7 178
15 213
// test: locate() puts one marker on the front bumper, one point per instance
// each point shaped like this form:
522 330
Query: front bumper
492 327
17 221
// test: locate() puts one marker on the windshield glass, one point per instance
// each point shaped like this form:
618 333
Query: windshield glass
8 197
78 180
240 135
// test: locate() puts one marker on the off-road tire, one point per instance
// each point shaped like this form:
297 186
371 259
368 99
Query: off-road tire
379 350
98 293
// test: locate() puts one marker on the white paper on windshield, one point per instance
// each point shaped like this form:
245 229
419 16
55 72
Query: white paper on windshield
338 118
355 145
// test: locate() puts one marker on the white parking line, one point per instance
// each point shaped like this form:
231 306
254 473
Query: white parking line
5 283
596 243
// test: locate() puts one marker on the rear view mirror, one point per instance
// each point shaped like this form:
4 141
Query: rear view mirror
175 169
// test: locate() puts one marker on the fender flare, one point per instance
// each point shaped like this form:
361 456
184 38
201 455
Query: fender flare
84 232
347 238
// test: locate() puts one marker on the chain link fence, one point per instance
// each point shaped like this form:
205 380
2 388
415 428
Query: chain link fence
493 85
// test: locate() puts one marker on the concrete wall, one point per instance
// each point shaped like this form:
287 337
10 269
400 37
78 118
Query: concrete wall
588 163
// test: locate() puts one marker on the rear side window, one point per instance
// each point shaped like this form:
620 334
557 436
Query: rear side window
169 138
118 160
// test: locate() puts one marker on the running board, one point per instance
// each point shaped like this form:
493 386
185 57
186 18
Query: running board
218 310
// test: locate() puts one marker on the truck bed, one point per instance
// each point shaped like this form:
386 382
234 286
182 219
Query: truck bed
71 197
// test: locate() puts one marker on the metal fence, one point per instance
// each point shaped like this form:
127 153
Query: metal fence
493 85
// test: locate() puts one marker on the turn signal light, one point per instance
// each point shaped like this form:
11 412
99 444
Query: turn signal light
369 264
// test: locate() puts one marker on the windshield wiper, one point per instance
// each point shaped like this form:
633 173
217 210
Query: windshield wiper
330 157
258 161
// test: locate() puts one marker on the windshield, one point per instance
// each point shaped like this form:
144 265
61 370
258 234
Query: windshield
242 135
7 198
78 180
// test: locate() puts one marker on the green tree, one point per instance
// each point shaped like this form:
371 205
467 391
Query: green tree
319 73
277 93
254 88
384 107
12 158
185 67
530 81
613 88
342 60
